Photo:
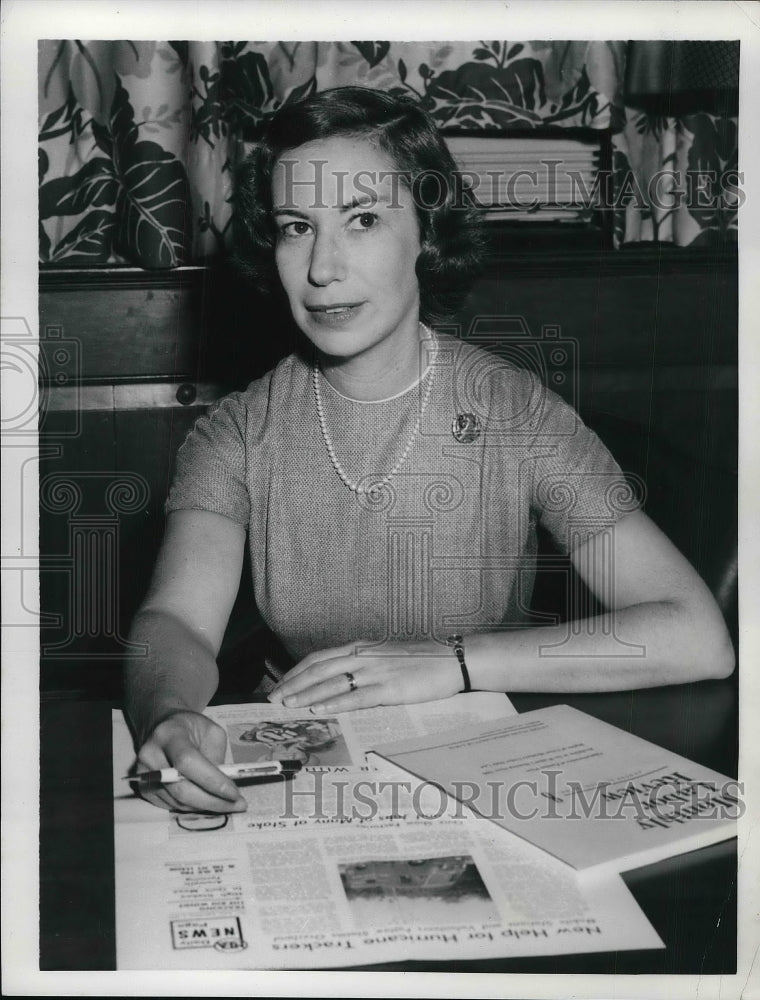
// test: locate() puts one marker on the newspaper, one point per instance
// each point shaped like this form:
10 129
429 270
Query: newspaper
346 864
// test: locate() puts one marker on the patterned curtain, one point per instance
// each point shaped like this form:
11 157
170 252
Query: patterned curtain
139 140
680 143
676 179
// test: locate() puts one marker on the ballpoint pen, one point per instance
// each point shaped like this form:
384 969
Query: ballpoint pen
237 772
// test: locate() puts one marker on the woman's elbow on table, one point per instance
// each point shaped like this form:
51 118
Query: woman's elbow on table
711 650
695 644
661 602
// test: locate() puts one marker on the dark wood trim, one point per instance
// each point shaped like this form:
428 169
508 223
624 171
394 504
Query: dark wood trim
519 250
75 279
509 250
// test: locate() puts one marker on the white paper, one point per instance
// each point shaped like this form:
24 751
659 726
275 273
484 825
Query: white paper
346 864
594 796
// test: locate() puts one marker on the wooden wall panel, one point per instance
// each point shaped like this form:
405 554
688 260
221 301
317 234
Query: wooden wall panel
653 344
119 464
129 325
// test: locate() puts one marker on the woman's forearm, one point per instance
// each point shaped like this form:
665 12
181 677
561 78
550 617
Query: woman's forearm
177 672
645 645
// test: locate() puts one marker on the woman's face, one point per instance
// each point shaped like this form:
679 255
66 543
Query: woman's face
347 242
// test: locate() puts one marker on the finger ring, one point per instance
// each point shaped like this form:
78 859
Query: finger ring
351 681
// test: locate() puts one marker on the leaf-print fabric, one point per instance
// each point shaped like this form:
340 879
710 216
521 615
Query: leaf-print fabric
139 139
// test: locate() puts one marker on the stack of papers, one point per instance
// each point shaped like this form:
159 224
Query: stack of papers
590 794
349 863
533 178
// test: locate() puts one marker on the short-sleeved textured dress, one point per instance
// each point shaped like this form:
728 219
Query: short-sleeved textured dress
447 545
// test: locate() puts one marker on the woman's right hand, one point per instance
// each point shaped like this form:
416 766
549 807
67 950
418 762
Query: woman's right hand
192 743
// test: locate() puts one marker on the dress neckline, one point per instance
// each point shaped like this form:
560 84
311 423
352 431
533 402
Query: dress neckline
376 402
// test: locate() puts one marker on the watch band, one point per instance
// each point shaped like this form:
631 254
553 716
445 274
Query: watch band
456 642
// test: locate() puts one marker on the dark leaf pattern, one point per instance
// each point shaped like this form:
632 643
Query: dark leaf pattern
68 119
579 105
246 94
153 207
373 52
621 169
44 240
299 93
617 119
206 115
43 164
183 51
153 197
712 151
51 126
93 186
89 242
479 96
125 193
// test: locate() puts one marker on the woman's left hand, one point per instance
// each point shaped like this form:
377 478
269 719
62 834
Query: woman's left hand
389 673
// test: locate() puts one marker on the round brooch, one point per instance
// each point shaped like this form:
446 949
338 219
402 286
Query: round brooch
465 427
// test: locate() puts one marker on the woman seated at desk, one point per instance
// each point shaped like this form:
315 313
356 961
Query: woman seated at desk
388 479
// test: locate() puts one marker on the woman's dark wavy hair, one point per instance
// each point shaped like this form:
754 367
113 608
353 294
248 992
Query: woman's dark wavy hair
451 230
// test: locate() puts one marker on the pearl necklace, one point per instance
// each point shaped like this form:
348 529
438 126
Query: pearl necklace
355 487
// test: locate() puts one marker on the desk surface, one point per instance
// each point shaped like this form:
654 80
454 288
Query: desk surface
690 900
